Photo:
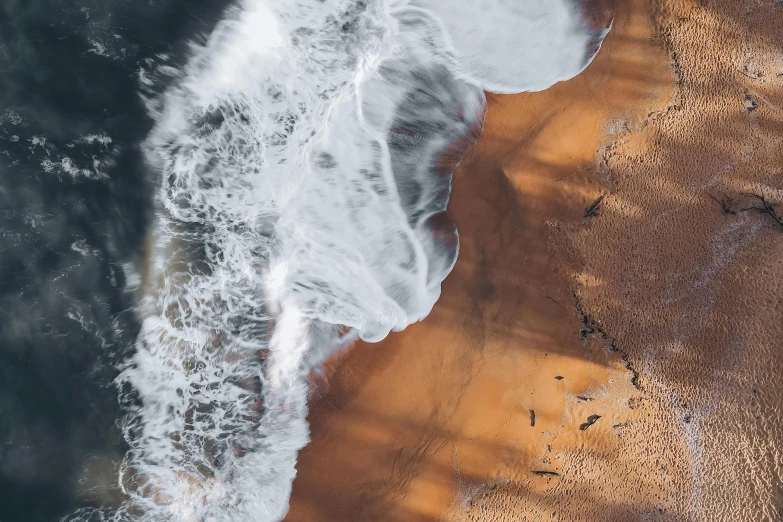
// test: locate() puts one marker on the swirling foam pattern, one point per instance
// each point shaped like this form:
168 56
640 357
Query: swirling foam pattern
303 157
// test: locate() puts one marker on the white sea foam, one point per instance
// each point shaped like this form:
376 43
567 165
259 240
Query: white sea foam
303 157
508 46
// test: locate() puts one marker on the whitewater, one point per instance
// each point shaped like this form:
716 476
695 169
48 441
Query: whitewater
302 158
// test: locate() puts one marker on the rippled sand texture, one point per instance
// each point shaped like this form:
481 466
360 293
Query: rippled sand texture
659 312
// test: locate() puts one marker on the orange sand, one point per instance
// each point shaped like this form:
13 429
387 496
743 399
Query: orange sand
434 423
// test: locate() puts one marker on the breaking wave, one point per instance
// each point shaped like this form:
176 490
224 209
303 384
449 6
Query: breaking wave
303 160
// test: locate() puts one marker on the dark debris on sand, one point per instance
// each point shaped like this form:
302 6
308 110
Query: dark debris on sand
589 327
765 208
544 473
592 210
590 421
725 202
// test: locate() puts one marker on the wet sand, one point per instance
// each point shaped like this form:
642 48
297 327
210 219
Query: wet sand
618 362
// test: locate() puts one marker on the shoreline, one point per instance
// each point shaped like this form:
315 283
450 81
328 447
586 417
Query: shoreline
507 402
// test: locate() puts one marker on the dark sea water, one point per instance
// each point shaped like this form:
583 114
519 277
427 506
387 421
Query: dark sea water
74 206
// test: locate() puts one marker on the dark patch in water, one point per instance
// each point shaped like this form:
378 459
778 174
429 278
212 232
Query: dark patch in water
69 70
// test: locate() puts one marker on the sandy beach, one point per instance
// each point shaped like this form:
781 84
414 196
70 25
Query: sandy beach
608 346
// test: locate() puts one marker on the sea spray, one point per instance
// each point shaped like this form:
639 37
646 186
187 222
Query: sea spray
303 159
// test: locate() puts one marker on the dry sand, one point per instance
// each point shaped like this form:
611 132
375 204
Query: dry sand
659 313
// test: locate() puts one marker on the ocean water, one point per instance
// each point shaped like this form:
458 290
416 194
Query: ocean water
201 201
